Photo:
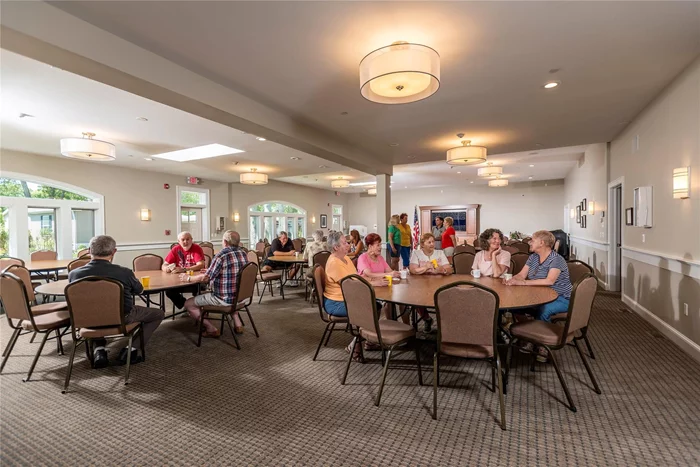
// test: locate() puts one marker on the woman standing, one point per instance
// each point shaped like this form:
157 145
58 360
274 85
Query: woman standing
492 261
356 245
394 241
406 240
449 239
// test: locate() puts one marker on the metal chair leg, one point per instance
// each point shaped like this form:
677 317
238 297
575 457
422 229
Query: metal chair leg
36 357
435 383
8 349
572 407
352 353
250 317
588 368
320 343
588 343
128 359
31 341
384 371
70 365
59 344
202 314
420 370
143 345
329 334
230 326
501 399
493 376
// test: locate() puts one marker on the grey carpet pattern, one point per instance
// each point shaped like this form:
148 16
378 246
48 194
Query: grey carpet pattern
270 404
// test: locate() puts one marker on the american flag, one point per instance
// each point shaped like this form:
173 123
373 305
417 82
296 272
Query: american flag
416 229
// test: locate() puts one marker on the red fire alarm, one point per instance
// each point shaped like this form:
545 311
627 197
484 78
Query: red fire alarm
167 232
166 186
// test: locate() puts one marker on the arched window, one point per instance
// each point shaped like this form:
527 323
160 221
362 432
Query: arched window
268 218
40 214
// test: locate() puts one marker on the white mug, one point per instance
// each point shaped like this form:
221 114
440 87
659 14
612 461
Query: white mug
476 273
404 274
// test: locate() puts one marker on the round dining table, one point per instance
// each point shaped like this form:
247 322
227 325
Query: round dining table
47 265
159 281
419 290
288 261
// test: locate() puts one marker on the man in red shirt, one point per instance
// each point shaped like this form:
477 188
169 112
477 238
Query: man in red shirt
185 256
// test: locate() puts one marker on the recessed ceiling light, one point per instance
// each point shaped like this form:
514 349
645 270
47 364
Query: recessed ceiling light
552 84
529 178
260 138
532 165
322 166
393 145
295 158
472 181
142 119
199 152
411 156
147 159
459 172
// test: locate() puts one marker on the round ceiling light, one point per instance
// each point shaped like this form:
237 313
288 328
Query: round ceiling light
466 154
340 183
552 84
253 178
489 171
88 148
400 73
499 182
372 192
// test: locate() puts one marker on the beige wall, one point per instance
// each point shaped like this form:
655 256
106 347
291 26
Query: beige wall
526 207
669 137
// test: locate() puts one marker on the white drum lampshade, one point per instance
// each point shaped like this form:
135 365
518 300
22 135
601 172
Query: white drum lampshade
490 171
88 148
400 73
499 182
253 178
372 192
466 154
340 183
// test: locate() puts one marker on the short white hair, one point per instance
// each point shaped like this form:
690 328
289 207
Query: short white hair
183 233
318 235
334 240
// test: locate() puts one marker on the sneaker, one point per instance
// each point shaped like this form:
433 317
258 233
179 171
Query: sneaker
100 360
527 347
135 357
542 355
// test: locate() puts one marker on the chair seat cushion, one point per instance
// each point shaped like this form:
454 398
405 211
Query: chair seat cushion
559 317
217 309
271 276
466 350
392 332
49 307
335 319
52 320
540 332
92 333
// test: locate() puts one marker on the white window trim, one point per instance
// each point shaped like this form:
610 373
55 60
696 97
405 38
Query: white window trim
342 215
302 213
205 209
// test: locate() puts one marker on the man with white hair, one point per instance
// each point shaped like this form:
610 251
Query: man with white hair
185 256
102 250
222 277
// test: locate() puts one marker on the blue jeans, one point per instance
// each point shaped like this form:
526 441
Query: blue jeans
560 305
334 308
391 252
406 255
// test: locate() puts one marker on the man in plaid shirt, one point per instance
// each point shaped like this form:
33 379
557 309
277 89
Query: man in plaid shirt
222 276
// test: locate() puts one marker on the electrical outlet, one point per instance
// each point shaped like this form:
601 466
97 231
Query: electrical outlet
685 308
644 238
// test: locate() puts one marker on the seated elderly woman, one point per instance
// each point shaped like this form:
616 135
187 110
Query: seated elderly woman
428 260
492 261
314 247
545 267
356 245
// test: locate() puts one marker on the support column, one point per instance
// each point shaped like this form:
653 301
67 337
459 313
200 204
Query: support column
383 205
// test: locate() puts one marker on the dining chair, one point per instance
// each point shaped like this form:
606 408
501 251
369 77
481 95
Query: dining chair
206 244
297 244
15 302
245 282
463 263
266 252
363 316
43 255
556 246
526 239
464 249
173 245
319 276
83 252
522 247
246 292
476 242
78 263
467 327
8 261
149 262
96 307
555 336
207 249
320 258
510 249
519 259
265 277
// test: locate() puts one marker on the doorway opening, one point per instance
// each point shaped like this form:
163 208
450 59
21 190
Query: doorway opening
616 213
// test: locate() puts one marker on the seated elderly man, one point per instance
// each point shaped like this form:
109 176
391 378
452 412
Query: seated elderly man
102 250
185 256
222 277
281 246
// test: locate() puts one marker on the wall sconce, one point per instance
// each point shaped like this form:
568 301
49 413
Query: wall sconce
145 214
236 217
591 208
681 183
572 214
313 219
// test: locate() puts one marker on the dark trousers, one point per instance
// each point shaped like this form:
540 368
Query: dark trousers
175 295
150 319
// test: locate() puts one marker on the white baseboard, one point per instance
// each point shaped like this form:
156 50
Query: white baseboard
682 341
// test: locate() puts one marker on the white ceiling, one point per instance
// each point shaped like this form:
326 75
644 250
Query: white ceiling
302 58
65 105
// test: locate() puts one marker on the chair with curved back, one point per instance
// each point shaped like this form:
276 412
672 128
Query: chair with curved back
148 262
526 239
556 246
83 252
510 249
555 336
519 259
297 244
173 245
330 320
15 302
265 277
37 309
522 247
43 255
246 278
207 261
266 252
207 249
8 261
476 243
320 258
365 325
78 263
467 327
246 292
463 263
464 249
96 306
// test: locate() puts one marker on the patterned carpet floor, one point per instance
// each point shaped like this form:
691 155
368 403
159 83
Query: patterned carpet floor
270 404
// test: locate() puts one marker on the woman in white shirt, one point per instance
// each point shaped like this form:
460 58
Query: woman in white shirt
492 261
428 260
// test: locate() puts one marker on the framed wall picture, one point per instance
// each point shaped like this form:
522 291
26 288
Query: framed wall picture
629 216
584 205
578 214
324 221
583 222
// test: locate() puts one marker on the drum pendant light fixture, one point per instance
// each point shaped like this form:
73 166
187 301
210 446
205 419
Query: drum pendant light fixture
499 182
253 178
400 73
466 154
490 171
340 183
88 149
372 192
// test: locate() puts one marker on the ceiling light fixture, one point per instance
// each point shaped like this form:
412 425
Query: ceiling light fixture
552 84
142 119
253 178
372 192
88 148
295 158
499 182
322 166
466 154
340 183
400 73
199 152
147 159
393 145
260 138
363 183
490 171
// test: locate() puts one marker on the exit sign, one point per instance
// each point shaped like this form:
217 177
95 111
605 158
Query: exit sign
193 180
